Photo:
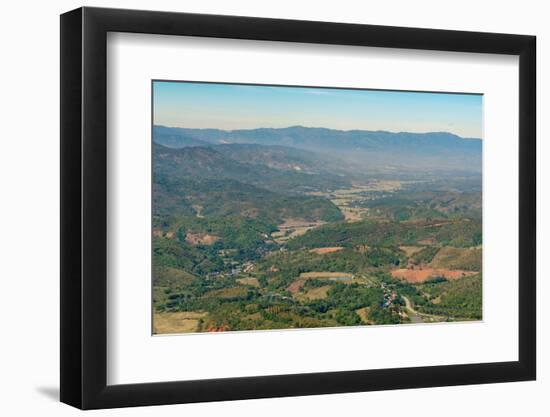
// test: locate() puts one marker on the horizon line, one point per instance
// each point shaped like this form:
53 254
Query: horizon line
321 127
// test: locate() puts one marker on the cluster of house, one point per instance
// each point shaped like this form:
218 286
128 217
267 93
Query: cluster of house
389 295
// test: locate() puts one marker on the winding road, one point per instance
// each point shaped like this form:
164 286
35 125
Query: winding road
416 316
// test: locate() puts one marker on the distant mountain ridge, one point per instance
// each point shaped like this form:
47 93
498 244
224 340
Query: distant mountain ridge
299 135
437 150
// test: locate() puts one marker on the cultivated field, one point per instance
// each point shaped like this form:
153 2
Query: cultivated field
323 251
423 274
363 314
458 258
410 250
293 228
319 293
296 285
249 281
328 275
201 238
179 322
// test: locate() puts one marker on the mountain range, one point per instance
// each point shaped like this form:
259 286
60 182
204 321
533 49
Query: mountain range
359 149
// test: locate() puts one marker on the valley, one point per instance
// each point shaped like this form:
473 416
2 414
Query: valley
272 229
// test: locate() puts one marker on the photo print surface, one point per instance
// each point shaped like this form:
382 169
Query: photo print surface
283 207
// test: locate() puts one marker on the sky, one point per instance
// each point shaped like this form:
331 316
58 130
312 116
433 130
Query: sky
239 106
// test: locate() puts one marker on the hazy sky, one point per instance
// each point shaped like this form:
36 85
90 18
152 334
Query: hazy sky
228 107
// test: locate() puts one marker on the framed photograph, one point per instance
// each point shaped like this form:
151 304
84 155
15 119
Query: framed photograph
258 208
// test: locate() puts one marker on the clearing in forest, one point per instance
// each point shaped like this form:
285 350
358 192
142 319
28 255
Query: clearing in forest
200 238
249 281
329 249
423 274
179 322
319 293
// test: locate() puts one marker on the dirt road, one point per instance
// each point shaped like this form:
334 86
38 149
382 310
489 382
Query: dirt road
416 316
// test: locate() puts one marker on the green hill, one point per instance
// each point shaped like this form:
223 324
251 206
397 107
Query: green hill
264 168
420 151
215 198
458 233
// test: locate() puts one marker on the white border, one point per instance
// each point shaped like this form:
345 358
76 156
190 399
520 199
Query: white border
134 356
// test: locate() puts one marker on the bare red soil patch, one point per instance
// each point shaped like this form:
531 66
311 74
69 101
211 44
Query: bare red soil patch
160 233
200 238
423 274
296 285
215 329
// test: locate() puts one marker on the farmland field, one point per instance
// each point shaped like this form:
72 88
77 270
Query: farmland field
421 275
180 322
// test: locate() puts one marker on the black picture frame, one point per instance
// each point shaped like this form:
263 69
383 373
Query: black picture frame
84 207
